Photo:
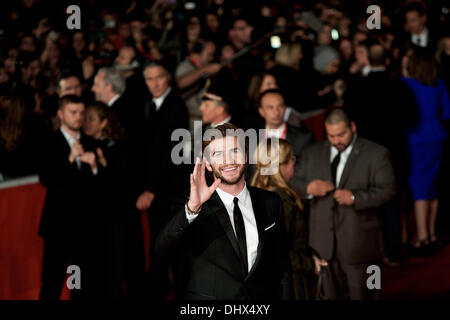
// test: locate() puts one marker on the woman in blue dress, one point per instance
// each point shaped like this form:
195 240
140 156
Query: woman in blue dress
425 141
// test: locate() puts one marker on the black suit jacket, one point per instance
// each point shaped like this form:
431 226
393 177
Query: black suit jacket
213 269
71 191
382 99
161 173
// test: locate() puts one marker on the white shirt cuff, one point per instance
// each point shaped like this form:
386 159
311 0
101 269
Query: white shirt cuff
189 217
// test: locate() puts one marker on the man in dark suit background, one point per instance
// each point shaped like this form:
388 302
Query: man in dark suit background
381 98
109 87
158 178
68 168
417 32
347 179
232 237
272 108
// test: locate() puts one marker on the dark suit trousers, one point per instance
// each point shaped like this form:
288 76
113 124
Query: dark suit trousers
342 281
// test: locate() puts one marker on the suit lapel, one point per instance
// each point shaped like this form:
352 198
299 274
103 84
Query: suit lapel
63 142
349 164
326 160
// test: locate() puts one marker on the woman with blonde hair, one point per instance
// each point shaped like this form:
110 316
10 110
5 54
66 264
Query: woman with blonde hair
274 168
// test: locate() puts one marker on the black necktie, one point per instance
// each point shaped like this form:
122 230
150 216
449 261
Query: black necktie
334 166
150 109
240 232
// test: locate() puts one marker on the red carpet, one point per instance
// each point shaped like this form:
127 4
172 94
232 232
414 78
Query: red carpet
419 278
21 255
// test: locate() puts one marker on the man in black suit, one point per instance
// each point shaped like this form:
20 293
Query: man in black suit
160 186
418 34
380 98
109 87
68 168
272 108
232 237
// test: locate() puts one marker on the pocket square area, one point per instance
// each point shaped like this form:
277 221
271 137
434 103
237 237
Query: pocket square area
269 226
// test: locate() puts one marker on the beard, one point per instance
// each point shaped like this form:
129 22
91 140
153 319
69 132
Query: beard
217 174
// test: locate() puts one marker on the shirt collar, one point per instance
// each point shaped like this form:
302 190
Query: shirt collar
276 132
346 152
159 101
227 198
214 125
70 140
113 99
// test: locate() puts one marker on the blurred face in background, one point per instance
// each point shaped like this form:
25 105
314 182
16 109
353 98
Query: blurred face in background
210 111
71 116
78 42
272 110
212 22
414 22
99 87
206 56
70 85
333 67
242 31
193 29
27 44
93 126
268 82
125 56
31 71
227 52
324 36
157 80
346 49
362 55
359 37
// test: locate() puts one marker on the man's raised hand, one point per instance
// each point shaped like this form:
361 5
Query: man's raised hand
200 192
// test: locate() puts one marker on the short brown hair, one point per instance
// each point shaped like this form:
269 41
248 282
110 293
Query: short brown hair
222 129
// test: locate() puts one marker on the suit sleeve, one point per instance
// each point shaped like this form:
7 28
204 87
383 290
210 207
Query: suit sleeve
382 184
172 234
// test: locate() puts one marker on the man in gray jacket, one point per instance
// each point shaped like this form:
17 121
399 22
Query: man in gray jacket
346 178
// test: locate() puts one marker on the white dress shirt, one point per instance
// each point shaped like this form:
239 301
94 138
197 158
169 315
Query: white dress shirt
113 99
279 133
420 40
160 100
71 140
215 125
251 230
344 157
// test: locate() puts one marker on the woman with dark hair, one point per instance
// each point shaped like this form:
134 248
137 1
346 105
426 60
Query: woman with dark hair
425 143
281 157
